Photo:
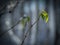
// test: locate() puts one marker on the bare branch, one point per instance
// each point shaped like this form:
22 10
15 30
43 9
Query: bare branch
25 36
9 29
13 25
17 2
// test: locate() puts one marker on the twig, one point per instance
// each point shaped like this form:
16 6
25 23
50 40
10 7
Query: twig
29 30
13 7
13 25
9 29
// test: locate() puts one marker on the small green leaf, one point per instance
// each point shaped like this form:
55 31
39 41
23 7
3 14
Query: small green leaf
22 22
44 15
28 18
25 20
46 19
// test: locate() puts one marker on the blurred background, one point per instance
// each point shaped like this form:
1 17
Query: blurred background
42 33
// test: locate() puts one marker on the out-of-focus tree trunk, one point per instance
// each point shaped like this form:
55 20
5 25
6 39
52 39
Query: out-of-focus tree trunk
57 18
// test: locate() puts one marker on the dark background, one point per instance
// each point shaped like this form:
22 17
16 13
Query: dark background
4 14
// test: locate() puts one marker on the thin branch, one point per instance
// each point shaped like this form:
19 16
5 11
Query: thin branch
9 29
15 24
17 2
25 36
